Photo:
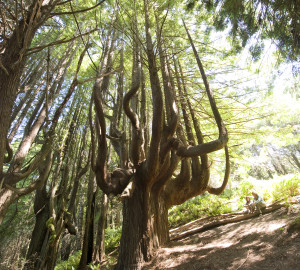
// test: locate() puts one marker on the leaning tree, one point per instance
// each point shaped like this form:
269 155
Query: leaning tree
27 74
167 161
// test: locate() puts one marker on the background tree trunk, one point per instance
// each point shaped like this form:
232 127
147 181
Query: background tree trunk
99 252
88 237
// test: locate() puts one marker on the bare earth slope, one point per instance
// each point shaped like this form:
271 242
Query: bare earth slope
265 242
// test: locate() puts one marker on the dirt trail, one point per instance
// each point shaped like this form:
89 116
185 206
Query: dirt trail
260 243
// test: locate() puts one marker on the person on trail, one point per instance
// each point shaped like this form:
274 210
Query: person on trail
249 205
258 202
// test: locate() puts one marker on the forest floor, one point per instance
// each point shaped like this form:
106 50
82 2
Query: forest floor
270 241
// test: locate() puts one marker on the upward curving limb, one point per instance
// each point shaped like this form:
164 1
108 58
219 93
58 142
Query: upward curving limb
219 190
171 109
115 182
137 139
198 178
222 140
153 154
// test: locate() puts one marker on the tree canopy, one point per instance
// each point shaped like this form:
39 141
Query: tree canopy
254 21
132 99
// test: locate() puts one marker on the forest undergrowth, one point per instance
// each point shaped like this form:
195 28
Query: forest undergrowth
281 189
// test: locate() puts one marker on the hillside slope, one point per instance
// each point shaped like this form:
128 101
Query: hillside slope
265 242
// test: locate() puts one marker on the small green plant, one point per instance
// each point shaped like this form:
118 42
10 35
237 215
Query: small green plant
112 239
207 205
71 263
244 188
286 188
200 206
94 266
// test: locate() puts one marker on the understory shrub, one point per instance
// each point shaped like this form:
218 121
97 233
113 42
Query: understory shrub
71 263
286 188
200 206
112 239
282 188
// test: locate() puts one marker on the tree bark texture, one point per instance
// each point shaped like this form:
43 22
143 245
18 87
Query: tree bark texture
12 63
99 252
153 183
88 237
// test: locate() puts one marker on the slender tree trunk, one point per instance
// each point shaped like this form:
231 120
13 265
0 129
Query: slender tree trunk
79 224
99 252
296 160
65 247
12 63
87 245
42 212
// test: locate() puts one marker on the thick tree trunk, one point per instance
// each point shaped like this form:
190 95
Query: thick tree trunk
8 89
12 62
145 228
135 246
160 215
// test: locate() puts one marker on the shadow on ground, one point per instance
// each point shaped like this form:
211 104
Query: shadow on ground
265 242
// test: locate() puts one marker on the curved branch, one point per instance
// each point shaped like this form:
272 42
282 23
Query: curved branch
176 189
116 181
169 166
61 41
137 136
168 85
44 172
209 93
153 154
221 142
77 11
219 190
9 152
100 168
136 79
192 151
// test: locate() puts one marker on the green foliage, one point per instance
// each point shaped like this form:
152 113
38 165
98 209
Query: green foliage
204 205
275 20
112 239
244 188
14 232
256 51
71 263
93 266
208 205
51 227
281 188
286 188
